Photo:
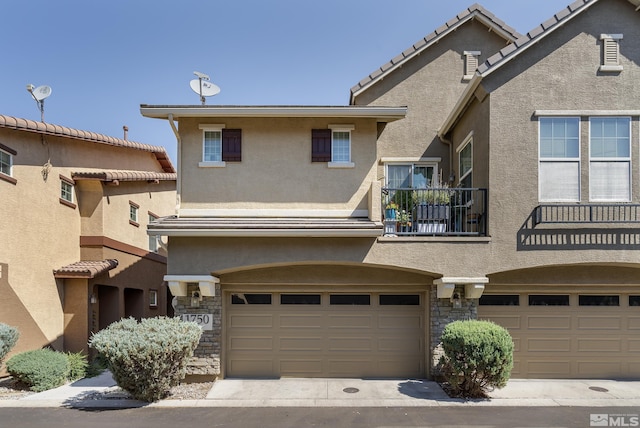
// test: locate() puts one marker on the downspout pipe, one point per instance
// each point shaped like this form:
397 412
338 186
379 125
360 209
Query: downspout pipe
179 163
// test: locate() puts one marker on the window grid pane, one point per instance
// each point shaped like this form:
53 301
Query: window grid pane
610 163
559 170
212 146
133 213
559 138
340 147
66 191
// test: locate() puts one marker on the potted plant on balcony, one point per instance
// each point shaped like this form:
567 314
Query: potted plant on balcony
432 209
390 211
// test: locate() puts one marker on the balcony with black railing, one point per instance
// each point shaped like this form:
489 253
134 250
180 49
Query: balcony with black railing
434 211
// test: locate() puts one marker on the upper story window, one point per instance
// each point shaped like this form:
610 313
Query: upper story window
332 145
465 153
220 145
153 239
6 163
611 52
411 175
610 159
470 64
133 213
559 159
66 191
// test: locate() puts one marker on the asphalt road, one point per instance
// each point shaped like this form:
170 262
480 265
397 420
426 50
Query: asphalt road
194 417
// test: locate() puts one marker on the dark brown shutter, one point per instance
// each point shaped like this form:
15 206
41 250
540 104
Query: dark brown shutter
231 145
320 145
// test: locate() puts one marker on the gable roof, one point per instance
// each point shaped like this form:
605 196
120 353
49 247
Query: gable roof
15 123
510 52
475 11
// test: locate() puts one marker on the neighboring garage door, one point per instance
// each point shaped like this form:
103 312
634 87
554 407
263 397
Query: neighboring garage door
325 335
571 335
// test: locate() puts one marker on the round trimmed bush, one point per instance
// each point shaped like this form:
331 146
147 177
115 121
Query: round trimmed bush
8 339
478 356
41 369
150 357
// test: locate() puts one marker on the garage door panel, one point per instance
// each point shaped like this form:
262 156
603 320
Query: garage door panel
251 343
300 367
399 345
599 369
253 367
633 323
401 322
251 321
599 322
350 321
300 321
511 322
301 343
548 345
634 345
387 368
548 368
349 344
599 344
547 322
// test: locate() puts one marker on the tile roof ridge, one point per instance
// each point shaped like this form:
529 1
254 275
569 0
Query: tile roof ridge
469 13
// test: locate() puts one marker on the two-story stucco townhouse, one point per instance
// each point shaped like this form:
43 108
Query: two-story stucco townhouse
479 174
75 255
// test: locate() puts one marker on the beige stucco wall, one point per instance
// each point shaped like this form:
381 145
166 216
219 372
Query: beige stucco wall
39 234
559 73
276 171
429 85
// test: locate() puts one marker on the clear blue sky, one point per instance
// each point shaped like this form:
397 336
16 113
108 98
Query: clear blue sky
105 58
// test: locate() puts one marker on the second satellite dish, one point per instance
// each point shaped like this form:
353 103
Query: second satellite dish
41 92
203 87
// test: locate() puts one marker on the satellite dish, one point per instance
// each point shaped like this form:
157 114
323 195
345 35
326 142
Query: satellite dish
41 92
203 87
208 89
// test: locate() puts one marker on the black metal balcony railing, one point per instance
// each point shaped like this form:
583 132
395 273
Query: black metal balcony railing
434 212
586 213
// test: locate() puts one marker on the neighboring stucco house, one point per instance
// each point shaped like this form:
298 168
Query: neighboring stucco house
479 174
75 255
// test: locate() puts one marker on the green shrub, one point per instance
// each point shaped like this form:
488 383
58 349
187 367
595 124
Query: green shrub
8 339
41 369
148 358
78 365
478 356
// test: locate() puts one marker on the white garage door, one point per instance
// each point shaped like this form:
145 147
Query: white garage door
324 334
572 335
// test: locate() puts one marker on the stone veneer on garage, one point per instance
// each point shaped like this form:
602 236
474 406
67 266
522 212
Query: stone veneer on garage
206 358
441 313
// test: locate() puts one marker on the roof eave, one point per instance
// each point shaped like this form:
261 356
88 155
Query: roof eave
269 233
382 114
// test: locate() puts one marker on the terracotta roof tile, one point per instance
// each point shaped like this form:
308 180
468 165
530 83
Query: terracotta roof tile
111 176
57 130
86 268
473 11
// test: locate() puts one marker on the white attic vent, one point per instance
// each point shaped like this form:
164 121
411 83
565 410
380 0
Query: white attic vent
611 52
470 64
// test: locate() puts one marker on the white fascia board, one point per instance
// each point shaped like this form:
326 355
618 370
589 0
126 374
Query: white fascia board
272 233
380 113
538 113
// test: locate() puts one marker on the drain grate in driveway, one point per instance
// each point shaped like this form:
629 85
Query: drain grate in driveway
598 388
351 390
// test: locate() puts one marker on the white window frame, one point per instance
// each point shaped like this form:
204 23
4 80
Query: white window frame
211 128
134 212
627 160
467 142
611 52
9 164
577 160
341 163
153 239
67 190
153 298
428 164
471 63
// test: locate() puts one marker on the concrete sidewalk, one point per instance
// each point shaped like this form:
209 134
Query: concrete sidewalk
290 392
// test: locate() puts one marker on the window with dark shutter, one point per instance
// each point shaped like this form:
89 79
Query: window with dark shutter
321 145
231 145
